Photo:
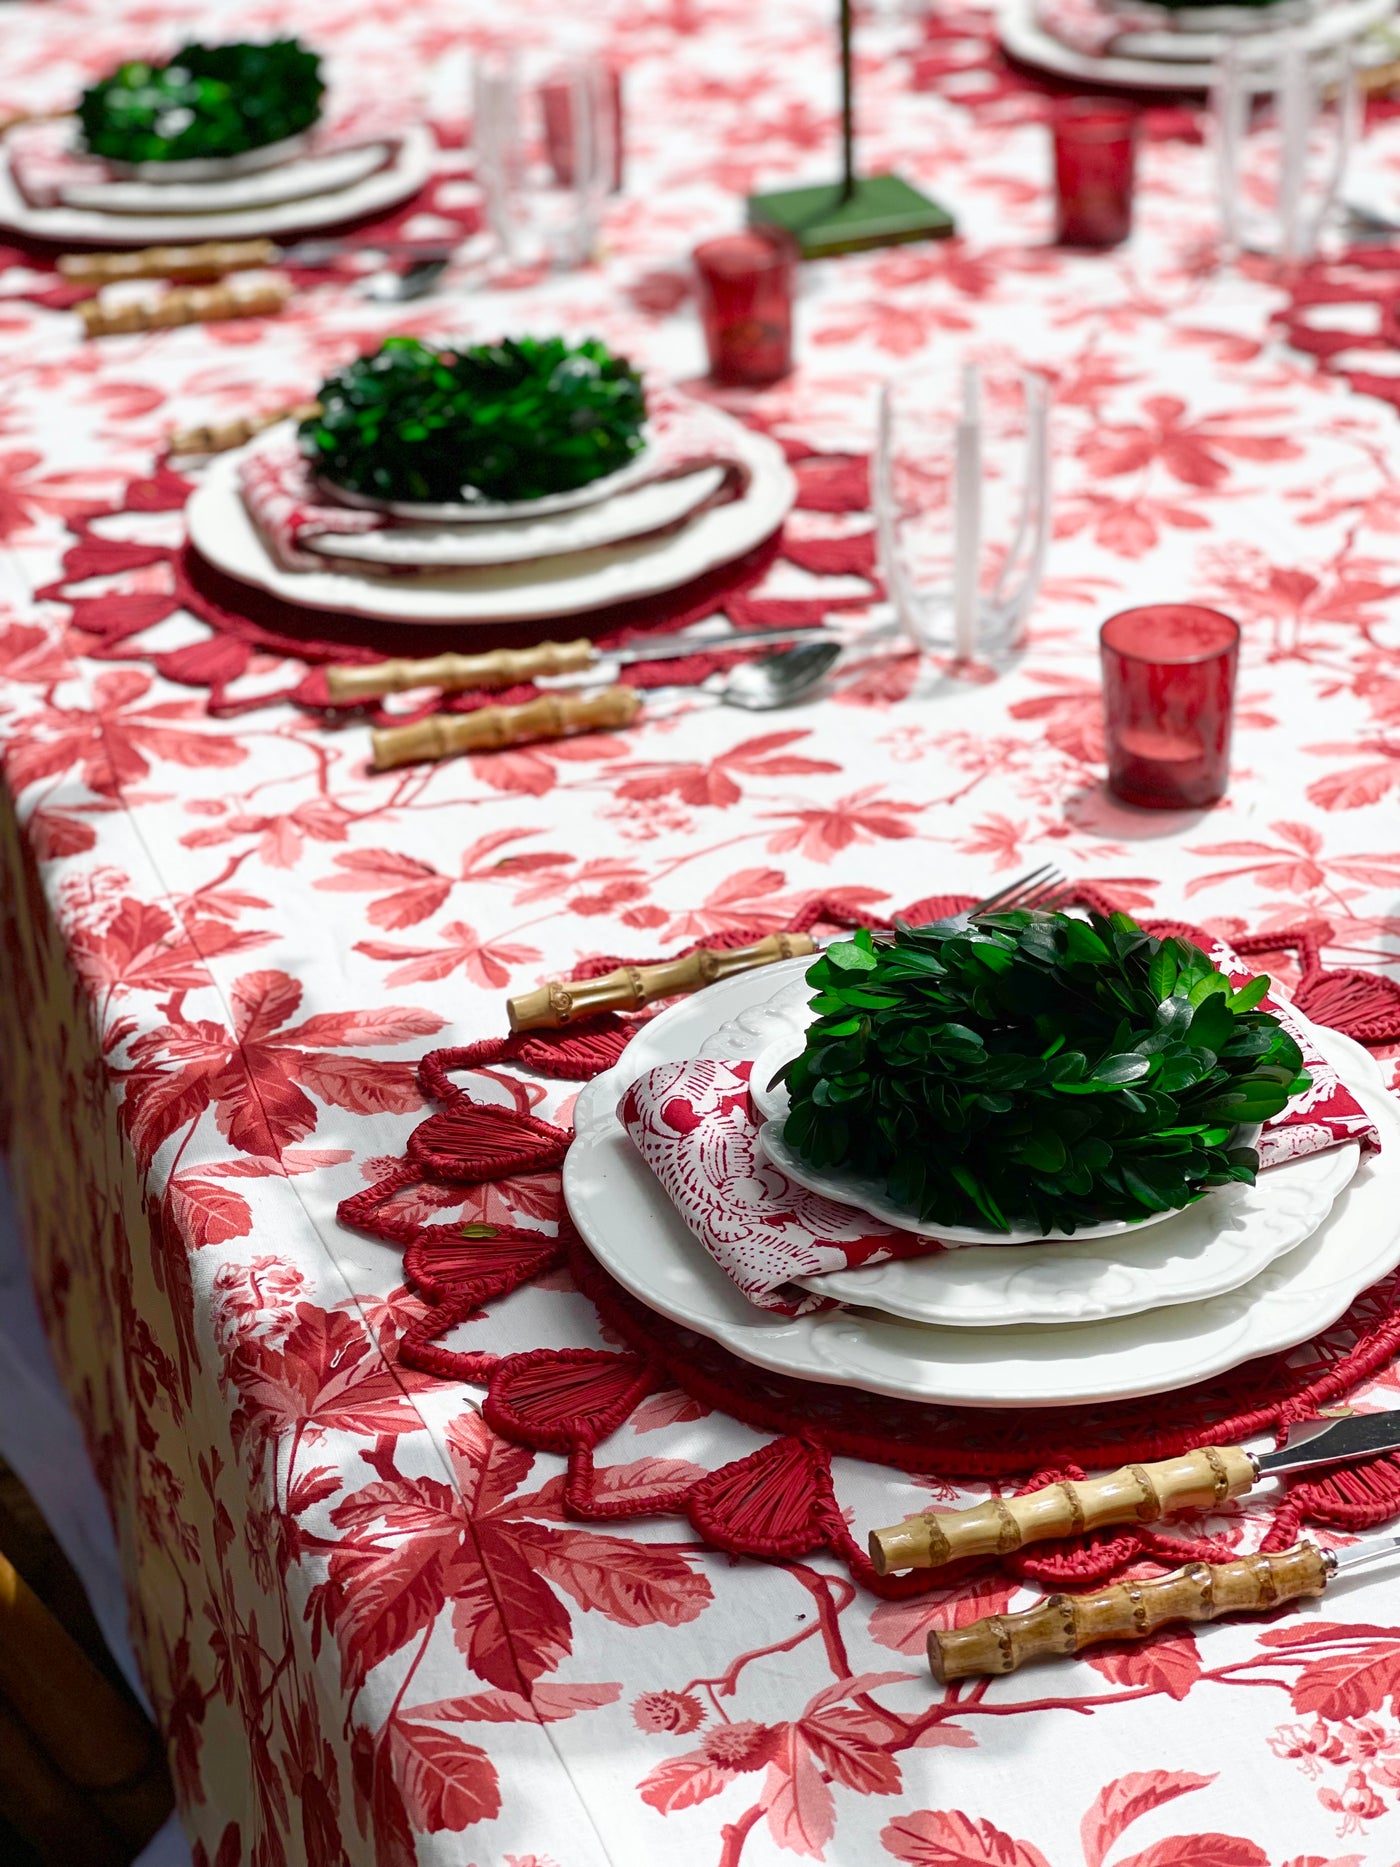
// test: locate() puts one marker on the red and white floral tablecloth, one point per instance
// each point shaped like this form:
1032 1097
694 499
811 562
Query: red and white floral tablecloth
372 1632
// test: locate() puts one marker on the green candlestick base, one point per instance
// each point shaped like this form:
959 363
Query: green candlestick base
882 210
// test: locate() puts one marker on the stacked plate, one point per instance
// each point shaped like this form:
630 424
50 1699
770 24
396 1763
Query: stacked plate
1124 1311
1160 48
623 537
291 188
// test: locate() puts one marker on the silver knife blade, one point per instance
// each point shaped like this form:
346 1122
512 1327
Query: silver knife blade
1315 1443
657 650
1369 1549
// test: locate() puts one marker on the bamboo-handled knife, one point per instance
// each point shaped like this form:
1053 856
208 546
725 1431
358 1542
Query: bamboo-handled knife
213 259
999 1643
1198 1480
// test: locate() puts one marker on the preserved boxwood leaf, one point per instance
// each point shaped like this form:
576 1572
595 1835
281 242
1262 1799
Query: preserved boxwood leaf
514 420
1035 1070
208 100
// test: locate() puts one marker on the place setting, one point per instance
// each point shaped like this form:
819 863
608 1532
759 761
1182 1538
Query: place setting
216 143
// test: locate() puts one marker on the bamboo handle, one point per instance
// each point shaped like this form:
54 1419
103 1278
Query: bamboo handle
1000 1643
219 436
211 260
551 1007
1134 1494
503 667
491 729
189 304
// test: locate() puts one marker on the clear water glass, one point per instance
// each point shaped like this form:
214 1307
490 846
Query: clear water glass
961 491
545 132
1283 125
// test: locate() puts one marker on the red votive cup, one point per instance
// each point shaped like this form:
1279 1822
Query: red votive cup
1168 690
1095 143
744 284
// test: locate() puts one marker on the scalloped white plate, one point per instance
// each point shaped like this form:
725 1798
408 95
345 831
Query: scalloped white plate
221 531
1169 69
85 226
631 1227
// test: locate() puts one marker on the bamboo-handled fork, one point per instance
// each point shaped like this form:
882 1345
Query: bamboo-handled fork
630 988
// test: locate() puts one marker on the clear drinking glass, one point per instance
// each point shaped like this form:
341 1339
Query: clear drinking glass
1283 124
546 134
961 490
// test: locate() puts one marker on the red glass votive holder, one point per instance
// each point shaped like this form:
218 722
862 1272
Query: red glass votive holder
745 288
1095 143
1169 691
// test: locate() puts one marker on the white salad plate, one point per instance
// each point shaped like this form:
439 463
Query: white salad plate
640 513
633 1230
990 1278
771 1101
217 168
1168 68
501 511
223 533
410 170
265 187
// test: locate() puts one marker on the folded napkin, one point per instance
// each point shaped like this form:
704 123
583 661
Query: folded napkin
693 1125
289 510
48 169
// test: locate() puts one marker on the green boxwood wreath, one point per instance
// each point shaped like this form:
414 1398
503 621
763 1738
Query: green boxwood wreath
514 420
206 101
1035 1071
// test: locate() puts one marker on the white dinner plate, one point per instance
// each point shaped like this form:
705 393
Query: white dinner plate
222 532
266 187
631 1227
411 169
637 514
1024 38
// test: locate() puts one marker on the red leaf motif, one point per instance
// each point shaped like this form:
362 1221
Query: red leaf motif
261 1002
681 1782
1200 1851
208 1214
634 1584
393 1024
328 1373
1348 1685
505 1618
377 1600
364 1085
948 1838
1170 1665
55 834
447 1784
546 1704
1126 1798
801 1809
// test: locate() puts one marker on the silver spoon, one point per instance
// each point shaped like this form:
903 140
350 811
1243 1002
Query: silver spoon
779 680
395 286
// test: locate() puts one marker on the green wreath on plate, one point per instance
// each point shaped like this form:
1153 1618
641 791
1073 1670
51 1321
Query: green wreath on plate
206 101
1035 1071
520 419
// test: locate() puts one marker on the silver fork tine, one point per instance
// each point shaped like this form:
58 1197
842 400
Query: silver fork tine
1010 894
1046 895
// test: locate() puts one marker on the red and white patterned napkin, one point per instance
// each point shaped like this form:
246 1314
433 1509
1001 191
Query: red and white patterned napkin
288 510
1089 27
693 1124
47 168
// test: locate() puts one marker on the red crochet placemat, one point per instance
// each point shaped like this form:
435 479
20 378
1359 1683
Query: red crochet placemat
243 622
779 1502
1364 275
